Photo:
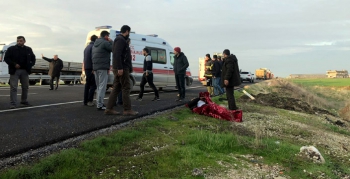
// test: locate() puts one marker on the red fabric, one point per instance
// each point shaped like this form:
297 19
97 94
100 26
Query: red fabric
214 110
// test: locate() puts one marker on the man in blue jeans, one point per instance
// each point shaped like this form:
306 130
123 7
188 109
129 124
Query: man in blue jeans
90 85
101 60
180 66
216 72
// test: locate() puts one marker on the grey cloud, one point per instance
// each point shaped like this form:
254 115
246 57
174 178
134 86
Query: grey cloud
261 33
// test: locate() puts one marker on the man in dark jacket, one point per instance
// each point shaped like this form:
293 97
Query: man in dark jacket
209 74
20 59
147 76
55 68
121 70
180 66
101 62
221 62
230 77
216 71
90 84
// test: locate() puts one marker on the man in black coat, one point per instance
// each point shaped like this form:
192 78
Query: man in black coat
180 66
121 70
55 68
230 77
217 76
20 60
90 84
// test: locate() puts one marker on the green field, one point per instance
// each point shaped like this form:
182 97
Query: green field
326 82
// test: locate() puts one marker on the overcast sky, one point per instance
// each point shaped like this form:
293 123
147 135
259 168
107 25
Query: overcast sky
286 36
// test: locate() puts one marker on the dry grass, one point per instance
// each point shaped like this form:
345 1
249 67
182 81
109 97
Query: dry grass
345 112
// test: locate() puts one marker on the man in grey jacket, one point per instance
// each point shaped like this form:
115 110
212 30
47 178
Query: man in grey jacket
180 66
101 60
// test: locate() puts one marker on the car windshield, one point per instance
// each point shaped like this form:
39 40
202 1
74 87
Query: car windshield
244 72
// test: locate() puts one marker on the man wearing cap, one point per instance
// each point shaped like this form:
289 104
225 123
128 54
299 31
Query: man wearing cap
230 77
180 66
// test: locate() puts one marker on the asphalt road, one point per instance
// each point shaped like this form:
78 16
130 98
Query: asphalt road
58 115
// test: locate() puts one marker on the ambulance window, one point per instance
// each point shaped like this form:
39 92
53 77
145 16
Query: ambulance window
172 59
154 55
158 55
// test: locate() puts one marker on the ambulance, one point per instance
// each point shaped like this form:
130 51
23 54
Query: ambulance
162 57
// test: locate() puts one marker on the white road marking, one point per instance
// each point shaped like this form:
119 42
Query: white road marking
17 94
72 102
43 86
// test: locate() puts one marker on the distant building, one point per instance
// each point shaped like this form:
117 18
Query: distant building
307 76
337 74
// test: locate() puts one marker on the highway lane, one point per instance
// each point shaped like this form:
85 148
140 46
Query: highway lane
58 115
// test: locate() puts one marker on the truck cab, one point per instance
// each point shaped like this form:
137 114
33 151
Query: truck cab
162 58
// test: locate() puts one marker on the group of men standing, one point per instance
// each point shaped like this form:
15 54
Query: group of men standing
97 65
222 73
219 73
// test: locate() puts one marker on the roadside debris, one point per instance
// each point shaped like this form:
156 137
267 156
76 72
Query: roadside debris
312 153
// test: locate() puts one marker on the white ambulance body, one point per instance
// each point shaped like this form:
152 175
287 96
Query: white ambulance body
162 58
4 76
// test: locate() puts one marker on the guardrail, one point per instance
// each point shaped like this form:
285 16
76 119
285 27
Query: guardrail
73 78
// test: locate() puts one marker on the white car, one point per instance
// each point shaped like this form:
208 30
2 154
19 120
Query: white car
247 76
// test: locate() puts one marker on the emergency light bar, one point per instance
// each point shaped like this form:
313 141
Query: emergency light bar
104 27
153 35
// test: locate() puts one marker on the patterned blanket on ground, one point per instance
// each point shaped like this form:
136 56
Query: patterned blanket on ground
214 110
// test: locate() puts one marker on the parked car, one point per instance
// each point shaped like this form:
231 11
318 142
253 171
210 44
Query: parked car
247 76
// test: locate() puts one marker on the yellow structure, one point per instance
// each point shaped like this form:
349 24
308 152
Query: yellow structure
337 74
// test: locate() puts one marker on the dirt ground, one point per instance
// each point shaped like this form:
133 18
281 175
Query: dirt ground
275 100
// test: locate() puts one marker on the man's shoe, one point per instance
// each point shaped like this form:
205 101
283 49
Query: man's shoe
111 112
13 107
130 113
156 99
138 99
25 103
101 108
50 89
90 104
56 88
180 99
